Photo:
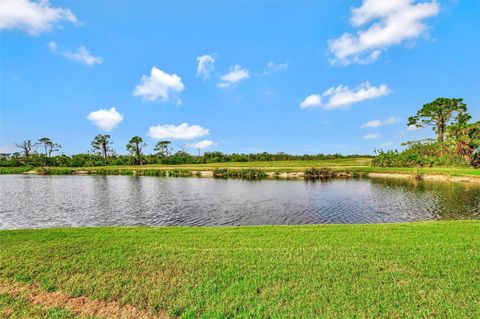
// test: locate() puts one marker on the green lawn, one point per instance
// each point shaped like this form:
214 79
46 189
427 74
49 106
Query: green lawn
344 164
452 171
267 165
409 270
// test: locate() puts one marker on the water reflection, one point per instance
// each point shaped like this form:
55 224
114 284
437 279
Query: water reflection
56 201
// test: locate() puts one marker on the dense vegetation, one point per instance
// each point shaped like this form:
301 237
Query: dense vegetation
457 143
177 158
331 271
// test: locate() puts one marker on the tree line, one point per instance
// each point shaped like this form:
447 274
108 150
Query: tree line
457 143
457 140
42 153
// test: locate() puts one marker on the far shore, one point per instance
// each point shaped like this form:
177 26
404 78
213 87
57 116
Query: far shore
358 167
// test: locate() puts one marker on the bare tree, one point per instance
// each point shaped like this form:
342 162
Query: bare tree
27 148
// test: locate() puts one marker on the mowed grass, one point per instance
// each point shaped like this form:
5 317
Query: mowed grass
421 270
266 165
451 171
359 164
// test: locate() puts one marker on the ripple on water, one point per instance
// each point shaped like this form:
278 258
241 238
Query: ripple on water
58 201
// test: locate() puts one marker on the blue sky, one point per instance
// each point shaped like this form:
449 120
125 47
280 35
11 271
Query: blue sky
298 77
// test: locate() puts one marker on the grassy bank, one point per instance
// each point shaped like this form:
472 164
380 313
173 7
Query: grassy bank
347 165
390 270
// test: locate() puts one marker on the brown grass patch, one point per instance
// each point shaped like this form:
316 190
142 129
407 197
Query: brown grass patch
79 305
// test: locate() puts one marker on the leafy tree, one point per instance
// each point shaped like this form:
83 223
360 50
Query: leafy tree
134 147
438 114
162 148
464 137
101 144
49 147
27 147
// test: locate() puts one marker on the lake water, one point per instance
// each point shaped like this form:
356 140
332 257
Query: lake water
59 201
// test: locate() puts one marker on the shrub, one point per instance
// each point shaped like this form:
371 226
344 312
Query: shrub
43 170
249 173
419 154
322 172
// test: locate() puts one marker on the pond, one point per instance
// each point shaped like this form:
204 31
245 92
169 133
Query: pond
61 201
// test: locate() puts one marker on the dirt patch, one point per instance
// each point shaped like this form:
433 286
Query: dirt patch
79 305
429 177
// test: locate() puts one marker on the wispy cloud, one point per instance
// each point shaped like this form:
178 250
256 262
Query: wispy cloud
206 64
371 136
202 144
342 96
394 21
413 128
386 144
235 75
376 123
81 54
273 67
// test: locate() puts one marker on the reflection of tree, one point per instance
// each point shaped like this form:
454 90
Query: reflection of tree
136 200
454 200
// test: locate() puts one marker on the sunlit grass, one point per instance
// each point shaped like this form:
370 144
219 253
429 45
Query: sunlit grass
343 164
340 271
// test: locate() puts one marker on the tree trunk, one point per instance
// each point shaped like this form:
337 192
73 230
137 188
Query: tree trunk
441 130
104 151
137 153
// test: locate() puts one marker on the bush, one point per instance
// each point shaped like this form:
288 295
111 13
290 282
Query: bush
419 154
323 172
249 173
476 158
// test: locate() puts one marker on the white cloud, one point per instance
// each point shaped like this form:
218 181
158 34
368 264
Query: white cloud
389 143
202 144
81 54
371 136
105 119
341 96
52 45
413 128
391 120
32 17
376 123
205 66
274 67
392 22
311 101
159 85
179 132
236 74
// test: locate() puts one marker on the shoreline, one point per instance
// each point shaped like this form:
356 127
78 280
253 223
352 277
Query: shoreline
258 173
